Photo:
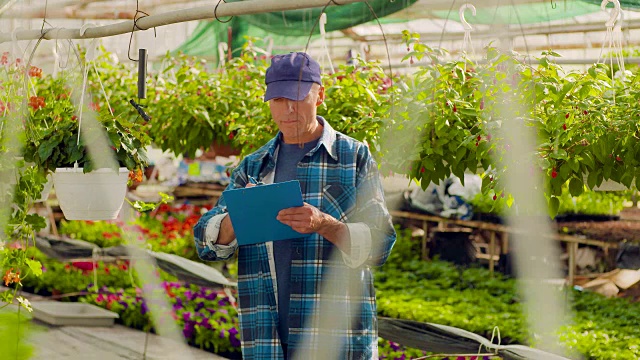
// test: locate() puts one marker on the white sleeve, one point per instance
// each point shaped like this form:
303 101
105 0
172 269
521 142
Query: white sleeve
211 238
360 245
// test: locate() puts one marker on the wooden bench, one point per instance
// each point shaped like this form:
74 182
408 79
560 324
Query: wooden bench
504 231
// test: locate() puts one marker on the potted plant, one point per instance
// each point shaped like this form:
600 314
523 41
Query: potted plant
451 121
356 96
91 160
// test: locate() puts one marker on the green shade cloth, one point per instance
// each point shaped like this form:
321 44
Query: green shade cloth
626 4
525 13
286 27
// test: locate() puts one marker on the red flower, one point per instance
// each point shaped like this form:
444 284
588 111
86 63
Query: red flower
37 102
83 265
35 71
135 176
564 126
94 106
5 58
554 173
11 277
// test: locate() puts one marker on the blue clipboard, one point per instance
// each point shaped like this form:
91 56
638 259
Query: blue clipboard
253 211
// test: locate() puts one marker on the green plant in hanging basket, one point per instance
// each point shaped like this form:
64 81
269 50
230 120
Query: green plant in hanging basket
54 123
191 106
453 116
356 96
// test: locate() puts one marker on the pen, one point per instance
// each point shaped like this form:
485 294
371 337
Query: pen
253 181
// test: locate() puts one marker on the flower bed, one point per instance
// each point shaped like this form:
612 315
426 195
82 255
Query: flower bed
208 319
473 300
169 229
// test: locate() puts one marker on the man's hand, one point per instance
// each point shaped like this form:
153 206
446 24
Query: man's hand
308 219
305 219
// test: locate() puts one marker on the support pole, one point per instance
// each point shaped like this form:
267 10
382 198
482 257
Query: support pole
174 17
492 246
572 247
425 238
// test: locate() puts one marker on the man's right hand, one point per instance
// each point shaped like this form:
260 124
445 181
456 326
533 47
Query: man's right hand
227 234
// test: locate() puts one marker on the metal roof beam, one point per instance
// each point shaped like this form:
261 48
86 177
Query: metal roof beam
173 17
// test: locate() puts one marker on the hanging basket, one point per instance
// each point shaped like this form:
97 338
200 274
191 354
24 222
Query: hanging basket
225 150
97 195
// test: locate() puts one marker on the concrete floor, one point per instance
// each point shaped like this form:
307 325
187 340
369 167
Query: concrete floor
108 343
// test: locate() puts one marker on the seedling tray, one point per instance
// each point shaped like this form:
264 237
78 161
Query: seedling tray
72 314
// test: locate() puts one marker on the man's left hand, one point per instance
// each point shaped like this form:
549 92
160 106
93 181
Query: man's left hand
305 219
308 219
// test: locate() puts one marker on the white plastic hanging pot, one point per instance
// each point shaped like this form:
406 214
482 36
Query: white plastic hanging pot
44 195
97 195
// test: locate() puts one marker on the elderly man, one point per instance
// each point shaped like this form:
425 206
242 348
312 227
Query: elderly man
280 283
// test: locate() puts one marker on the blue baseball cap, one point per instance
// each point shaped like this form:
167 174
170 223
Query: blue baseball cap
291 76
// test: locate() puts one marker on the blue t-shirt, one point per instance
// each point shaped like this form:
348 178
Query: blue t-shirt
289 155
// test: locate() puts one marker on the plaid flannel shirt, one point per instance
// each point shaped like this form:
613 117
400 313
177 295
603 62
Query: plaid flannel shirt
340 178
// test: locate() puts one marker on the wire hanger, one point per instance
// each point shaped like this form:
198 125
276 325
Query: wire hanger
222 53
614 39
467 44
323 33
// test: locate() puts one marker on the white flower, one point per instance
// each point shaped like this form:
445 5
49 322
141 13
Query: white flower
2 245
25 303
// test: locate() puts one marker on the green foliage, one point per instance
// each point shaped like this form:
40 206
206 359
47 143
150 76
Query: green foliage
441 293
142 206
457 111
592 203
604 328
74 277
355 98
13 327
52 130
102 233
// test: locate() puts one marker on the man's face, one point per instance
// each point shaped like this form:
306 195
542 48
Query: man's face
297 119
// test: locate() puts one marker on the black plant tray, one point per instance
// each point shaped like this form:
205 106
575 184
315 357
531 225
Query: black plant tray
585 217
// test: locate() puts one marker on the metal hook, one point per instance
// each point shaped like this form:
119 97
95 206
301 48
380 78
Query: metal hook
614 13
322 23
465 24
620 23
